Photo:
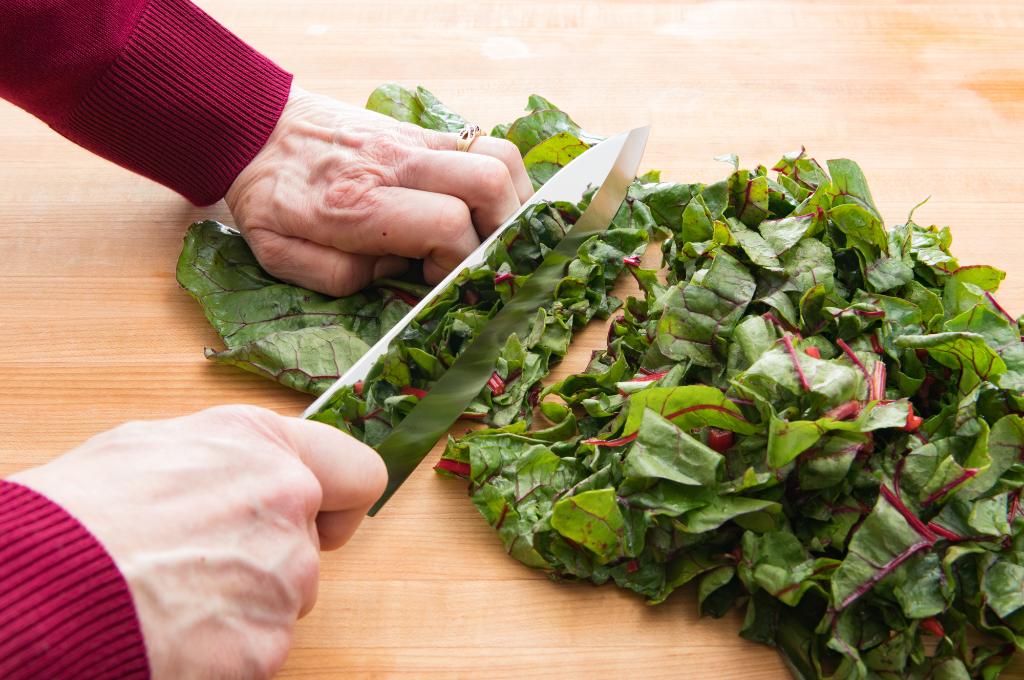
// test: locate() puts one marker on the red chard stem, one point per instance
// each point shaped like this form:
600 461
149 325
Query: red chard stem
788 342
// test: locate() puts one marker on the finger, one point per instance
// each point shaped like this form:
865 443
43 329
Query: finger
334 529
320 267
351 474
502 149
508 153
394 221
482 182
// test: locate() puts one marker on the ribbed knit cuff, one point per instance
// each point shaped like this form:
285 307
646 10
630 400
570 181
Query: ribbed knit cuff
186 103
65 609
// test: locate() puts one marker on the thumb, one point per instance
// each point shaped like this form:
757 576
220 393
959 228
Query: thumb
352 475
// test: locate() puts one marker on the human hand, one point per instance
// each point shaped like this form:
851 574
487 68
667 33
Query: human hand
215 520
340 196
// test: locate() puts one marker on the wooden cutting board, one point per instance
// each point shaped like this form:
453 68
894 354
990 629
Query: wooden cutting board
928 96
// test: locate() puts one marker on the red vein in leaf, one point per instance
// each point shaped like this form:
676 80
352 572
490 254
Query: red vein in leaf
992 299
611 442
648 377
502 278
746 199
884 571
848 351
779 323
501 519
706 407
913 520
963 477
788 342
631 261
945 533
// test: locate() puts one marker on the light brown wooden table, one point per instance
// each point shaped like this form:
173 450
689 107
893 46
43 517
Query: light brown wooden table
927 95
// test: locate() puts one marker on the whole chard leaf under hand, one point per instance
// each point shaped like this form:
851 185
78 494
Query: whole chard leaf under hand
300 338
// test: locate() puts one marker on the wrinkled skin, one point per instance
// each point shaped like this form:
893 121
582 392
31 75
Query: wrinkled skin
340 196
216 521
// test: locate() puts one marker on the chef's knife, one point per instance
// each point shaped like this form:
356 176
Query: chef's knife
612 164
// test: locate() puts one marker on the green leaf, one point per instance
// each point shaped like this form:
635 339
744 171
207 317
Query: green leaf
687 407
849 183
417 106
548 157
592 519
1004 587
883 542
664 451
698 315
782 234
722 509
307 360
541 125
964 352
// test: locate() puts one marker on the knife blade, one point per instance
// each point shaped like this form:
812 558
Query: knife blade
612 164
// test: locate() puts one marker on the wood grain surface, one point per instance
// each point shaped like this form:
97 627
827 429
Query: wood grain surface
928 96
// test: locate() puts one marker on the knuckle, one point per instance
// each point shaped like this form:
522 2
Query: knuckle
388 146
411 132
493 177
271 250
453 219
348 193
507 151
299 494
339 278
245 415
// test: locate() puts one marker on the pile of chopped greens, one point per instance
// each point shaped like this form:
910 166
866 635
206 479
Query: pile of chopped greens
804 414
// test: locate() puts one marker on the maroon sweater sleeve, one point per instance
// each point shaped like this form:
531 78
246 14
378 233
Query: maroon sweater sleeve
156 86
65 609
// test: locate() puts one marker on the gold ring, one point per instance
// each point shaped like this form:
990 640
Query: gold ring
468 135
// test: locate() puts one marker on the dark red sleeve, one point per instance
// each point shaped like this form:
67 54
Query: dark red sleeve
65 609
156 86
